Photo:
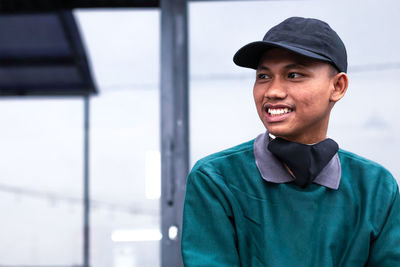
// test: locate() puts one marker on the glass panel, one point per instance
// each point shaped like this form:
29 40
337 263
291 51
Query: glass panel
41 181
125 161
125 221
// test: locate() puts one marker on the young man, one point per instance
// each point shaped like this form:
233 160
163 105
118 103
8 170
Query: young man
291 197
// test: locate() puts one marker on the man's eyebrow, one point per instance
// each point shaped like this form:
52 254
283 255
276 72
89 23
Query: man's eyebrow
262 67
296 66
289 66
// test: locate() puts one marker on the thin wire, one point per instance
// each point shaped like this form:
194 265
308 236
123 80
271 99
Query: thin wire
56 197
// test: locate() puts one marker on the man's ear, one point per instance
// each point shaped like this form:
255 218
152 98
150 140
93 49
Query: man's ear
340 83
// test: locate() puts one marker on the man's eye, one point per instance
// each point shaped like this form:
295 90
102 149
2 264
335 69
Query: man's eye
262 76
293 75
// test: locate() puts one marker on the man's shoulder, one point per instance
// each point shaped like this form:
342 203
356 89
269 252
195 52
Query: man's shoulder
226 156
347 157
363 170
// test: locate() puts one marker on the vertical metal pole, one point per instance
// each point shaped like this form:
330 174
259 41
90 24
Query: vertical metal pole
174 126
86 200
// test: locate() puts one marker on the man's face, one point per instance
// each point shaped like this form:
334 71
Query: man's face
293 95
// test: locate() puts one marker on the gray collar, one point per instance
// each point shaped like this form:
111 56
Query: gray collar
272 170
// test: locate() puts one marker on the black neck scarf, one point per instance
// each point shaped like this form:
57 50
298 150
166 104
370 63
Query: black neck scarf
304 161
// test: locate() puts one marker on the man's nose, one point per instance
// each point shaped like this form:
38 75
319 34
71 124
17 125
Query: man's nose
276 89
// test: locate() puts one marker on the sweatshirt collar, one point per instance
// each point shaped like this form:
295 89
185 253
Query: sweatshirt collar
272 170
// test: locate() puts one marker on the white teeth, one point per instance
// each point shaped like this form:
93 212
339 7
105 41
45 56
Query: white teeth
278 111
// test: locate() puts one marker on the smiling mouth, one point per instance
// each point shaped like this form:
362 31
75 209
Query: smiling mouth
278 111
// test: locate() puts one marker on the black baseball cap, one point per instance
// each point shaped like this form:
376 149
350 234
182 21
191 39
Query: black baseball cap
309 37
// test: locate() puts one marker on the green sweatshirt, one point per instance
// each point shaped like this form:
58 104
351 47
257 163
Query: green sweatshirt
232 217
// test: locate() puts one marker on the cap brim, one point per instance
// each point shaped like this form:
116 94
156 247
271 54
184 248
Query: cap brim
249 55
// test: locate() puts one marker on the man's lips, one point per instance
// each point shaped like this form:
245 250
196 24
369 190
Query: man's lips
276 113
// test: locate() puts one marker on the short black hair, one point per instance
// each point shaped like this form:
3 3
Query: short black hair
333 70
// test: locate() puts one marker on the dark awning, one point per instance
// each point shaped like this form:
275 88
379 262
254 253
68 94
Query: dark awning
42 54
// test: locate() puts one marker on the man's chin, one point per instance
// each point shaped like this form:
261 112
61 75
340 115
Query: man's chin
273 133
276 132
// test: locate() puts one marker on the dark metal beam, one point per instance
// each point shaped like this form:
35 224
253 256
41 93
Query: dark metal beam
27 6
35 62
174 126
15 6
86 188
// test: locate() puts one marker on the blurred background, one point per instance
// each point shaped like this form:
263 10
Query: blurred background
41 139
